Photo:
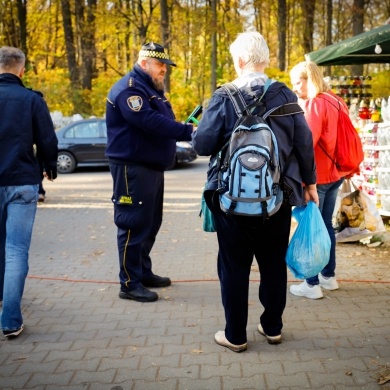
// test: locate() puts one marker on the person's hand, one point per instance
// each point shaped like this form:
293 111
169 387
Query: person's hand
310 194
50 175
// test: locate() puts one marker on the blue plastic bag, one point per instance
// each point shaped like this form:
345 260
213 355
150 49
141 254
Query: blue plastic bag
309 248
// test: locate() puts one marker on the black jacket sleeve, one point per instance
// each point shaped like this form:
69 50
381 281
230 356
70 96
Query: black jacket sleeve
44 136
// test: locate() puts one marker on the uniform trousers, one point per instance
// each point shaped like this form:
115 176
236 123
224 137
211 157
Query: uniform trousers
138 194
241 239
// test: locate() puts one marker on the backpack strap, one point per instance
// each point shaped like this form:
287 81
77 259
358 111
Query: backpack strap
339 109
332 97
253 105
238 100
284 110
236 97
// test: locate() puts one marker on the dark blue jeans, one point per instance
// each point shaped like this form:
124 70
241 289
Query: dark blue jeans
327 194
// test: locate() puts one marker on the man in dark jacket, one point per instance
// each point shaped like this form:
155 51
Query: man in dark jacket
25 122
142 134
241 238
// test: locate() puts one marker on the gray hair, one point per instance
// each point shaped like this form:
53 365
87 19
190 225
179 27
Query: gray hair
251 47
11 59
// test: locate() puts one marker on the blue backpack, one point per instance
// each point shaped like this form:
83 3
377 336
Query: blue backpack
249 177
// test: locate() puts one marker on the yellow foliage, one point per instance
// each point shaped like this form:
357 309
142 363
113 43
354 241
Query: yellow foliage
380 84
55 86
120 29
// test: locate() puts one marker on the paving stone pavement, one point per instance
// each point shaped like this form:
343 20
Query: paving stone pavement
80 335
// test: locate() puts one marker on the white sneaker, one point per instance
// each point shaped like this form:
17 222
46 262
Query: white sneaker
305 290
329 283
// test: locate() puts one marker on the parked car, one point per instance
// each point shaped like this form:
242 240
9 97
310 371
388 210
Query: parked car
83 143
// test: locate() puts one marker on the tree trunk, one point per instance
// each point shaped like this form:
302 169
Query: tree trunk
309 8
69 43
164 22
22 16
328 38
213 81
357 28
88 50
85 22
282 22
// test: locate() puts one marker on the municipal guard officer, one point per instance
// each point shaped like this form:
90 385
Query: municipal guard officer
142 134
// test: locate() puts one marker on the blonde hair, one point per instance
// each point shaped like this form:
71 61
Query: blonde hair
251 47
309 71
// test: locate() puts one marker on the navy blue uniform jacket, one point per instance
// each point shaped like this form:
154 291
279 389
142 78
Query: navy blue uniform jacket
24 121
141 126
292 132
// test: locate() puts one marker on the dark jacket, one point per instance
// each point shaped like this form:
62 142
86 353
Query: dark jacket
293 135
141 126
24 121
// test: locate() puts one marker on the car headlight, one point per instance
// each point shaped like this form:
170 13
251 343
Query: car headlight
184 144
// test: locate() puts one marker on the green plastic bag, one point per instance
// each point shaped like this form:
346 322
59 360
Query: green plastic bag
309 249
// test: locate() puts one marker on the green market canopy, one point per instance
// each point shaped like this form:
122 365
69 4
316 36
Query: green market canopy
371 47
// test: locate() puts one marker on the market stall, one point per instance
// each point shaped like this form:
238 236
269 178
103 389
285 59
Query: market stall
369 47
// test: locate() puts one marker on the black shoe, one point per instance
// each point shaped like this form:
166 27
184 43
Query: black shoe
11 334
156 281
140 294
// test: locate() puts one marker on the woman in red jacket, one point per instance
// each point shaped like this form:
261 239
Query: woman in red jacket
321 113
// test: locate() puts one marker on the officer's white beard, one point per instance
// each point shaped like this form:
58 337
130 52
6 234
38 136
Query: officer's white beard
159 85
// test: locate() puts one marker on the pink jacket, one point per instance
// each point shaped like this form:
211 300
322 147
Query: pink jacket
321 114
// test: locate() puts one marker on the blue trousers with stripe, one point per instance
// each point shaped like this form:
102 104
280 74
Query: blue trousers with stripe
138 194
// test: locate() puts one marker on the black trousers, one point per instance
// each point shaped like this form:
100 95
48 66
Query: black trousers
138 208
240 240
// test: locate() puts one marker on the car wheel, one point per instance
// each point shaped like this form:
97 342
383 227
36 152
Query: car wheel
66 163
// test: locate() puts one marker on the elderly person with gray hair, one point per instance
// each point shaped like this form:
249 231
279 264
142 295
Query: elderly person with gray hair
241 238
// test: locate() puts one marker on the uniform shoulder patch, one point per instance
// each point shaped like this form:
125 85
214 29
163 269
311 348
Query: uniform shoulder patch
135 102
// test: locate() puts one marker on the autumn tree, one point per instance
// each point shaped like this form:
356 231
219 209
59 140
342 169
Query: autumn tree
282 22
21 6
80 48
70 43
308 7
214 19
357 27
165 34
